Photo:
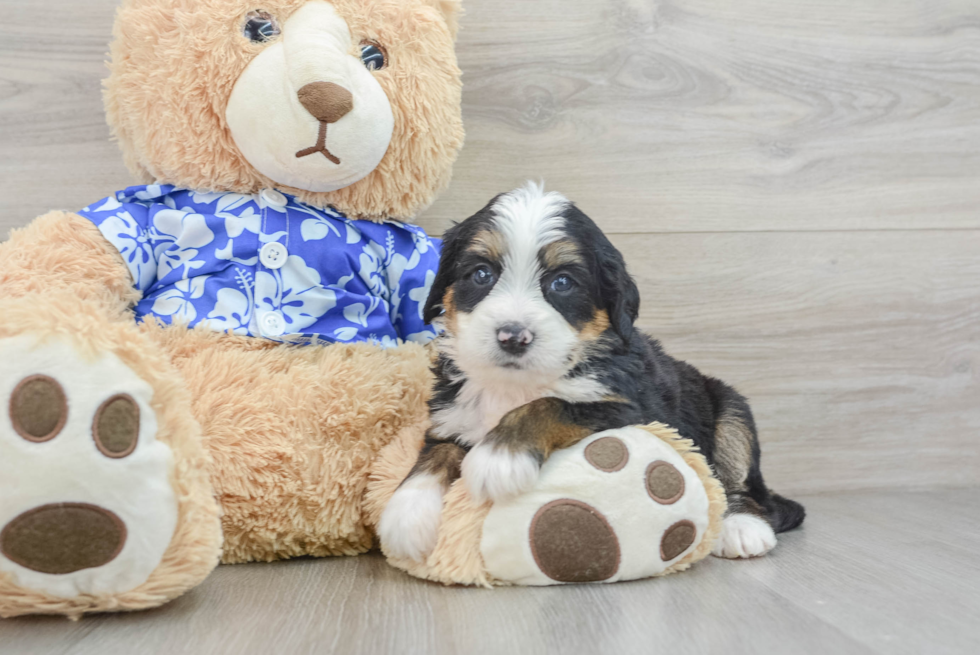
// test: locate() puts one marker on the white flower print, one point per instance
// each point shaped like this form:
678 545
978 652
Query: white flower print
133 244
421 294
294 290
149 192
423 337
422 241
384 341
346 333
353 234
235 224
233 310
110 204
176 300
224 202
359 313
314 229
371 268
248 221
177 236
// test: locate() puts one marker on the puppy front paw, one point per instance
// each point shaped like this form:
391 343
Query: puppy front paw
409 525
497 473
744 535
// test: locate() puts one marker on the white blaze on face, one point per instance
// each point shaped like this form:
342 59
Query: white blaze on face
528 219
270 125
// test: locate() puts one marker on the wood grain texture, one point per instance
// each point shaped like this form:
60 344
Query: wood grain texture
708 115
859 351
871 572
795 185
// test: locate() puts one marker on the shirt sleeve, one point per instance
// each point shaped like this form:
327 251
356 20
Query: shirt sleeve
125 225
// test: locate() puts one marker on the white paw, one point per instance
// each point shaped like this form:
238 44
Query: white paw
409 526
496 474
744 535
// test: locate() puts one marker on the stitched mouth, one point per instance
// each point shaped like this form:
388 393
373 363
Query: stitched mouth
321 146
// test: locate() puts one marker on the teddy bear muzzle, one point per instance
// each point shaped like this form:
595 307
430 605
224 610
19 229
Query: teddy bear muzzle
328 103
295 101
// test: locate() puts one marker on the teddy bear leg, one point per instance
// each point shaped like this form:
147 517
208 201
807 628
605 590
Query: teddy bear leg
105 502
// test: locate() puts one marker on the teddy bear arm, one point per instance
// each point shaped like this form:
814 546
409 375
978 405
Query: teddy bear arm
61 252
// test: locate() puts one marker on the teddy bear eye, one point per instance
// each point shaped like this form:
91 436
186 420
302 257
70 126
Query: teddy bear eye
260 27
373 56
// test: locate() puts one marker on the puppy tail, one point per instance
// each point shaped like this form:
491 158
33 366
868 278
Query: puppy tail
784 514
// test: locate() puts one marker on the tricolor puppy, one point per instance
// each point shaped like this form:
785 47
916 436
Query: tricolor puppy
539 351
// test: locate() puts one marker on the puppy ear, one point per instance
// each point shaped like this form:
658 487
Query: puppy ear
445 276
618 290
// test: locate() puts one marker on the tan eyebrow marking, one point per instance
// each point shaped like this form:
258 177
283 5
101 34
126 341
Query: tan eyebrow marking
488 243
561 253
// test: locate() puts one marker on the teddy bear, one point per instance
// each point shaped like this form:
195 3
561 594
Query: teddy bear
227 362
205 366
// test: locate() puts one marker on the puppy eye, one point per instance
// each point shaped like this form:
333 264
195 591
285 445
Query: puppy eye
482 275
373 56
562 284
260 27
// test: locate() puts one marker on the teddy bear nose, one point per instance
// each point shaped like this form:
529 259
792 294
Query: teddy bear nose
328 102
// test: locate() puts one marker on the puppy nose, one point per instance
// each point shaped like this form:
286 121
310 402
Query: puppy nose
514 339
328 102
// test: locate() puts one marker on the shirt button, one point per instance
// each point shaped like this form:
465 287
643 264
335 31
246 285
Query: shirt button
274 198
273 255
273 324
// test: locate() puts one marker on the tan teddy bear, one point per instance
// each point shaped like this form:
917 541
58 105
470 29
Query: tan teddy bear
282 145
226 362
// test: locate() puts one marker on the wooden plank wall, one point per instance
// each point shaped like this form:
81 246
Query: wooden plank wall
796 185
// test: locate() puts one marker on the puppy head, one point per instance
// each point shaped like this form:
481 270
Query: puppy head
526 286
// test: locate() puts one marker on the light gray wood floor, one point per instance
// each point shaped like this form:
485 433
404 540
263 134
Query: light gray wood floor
870 572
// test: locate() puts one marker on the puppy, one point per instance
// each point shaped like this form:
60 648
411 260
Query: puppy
538 351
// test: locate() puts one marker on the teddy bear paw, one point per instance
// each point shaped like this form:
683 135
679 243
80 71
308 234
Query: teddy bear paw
86 502
496 473
620 505
409 525
743 536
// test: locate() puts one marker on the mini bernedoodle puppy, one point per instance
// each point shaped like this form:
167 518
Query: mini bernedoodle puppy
538 351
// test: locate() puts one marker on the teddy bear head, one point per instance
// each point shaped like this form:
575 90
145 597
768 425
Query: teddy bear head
353 104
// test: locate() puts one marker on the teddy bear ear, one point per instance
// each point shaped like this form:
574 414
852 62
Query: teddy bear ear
451 10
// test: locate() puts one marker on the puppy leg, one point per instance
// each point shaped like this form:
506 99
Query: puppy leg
409 525
507 461
754 513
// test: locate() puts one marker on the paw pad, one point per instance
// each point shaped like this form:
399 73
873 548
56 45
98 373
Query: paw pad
620 505
63 538
116 426
38 408
665 484
608 454
573 542
677 539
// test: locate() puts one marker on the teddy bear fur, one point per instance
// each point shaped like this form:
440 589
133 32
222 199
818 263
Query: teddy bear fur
277 440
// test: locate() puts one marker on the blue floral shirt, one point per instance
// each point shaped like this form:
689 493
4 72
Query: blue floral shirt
269 265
